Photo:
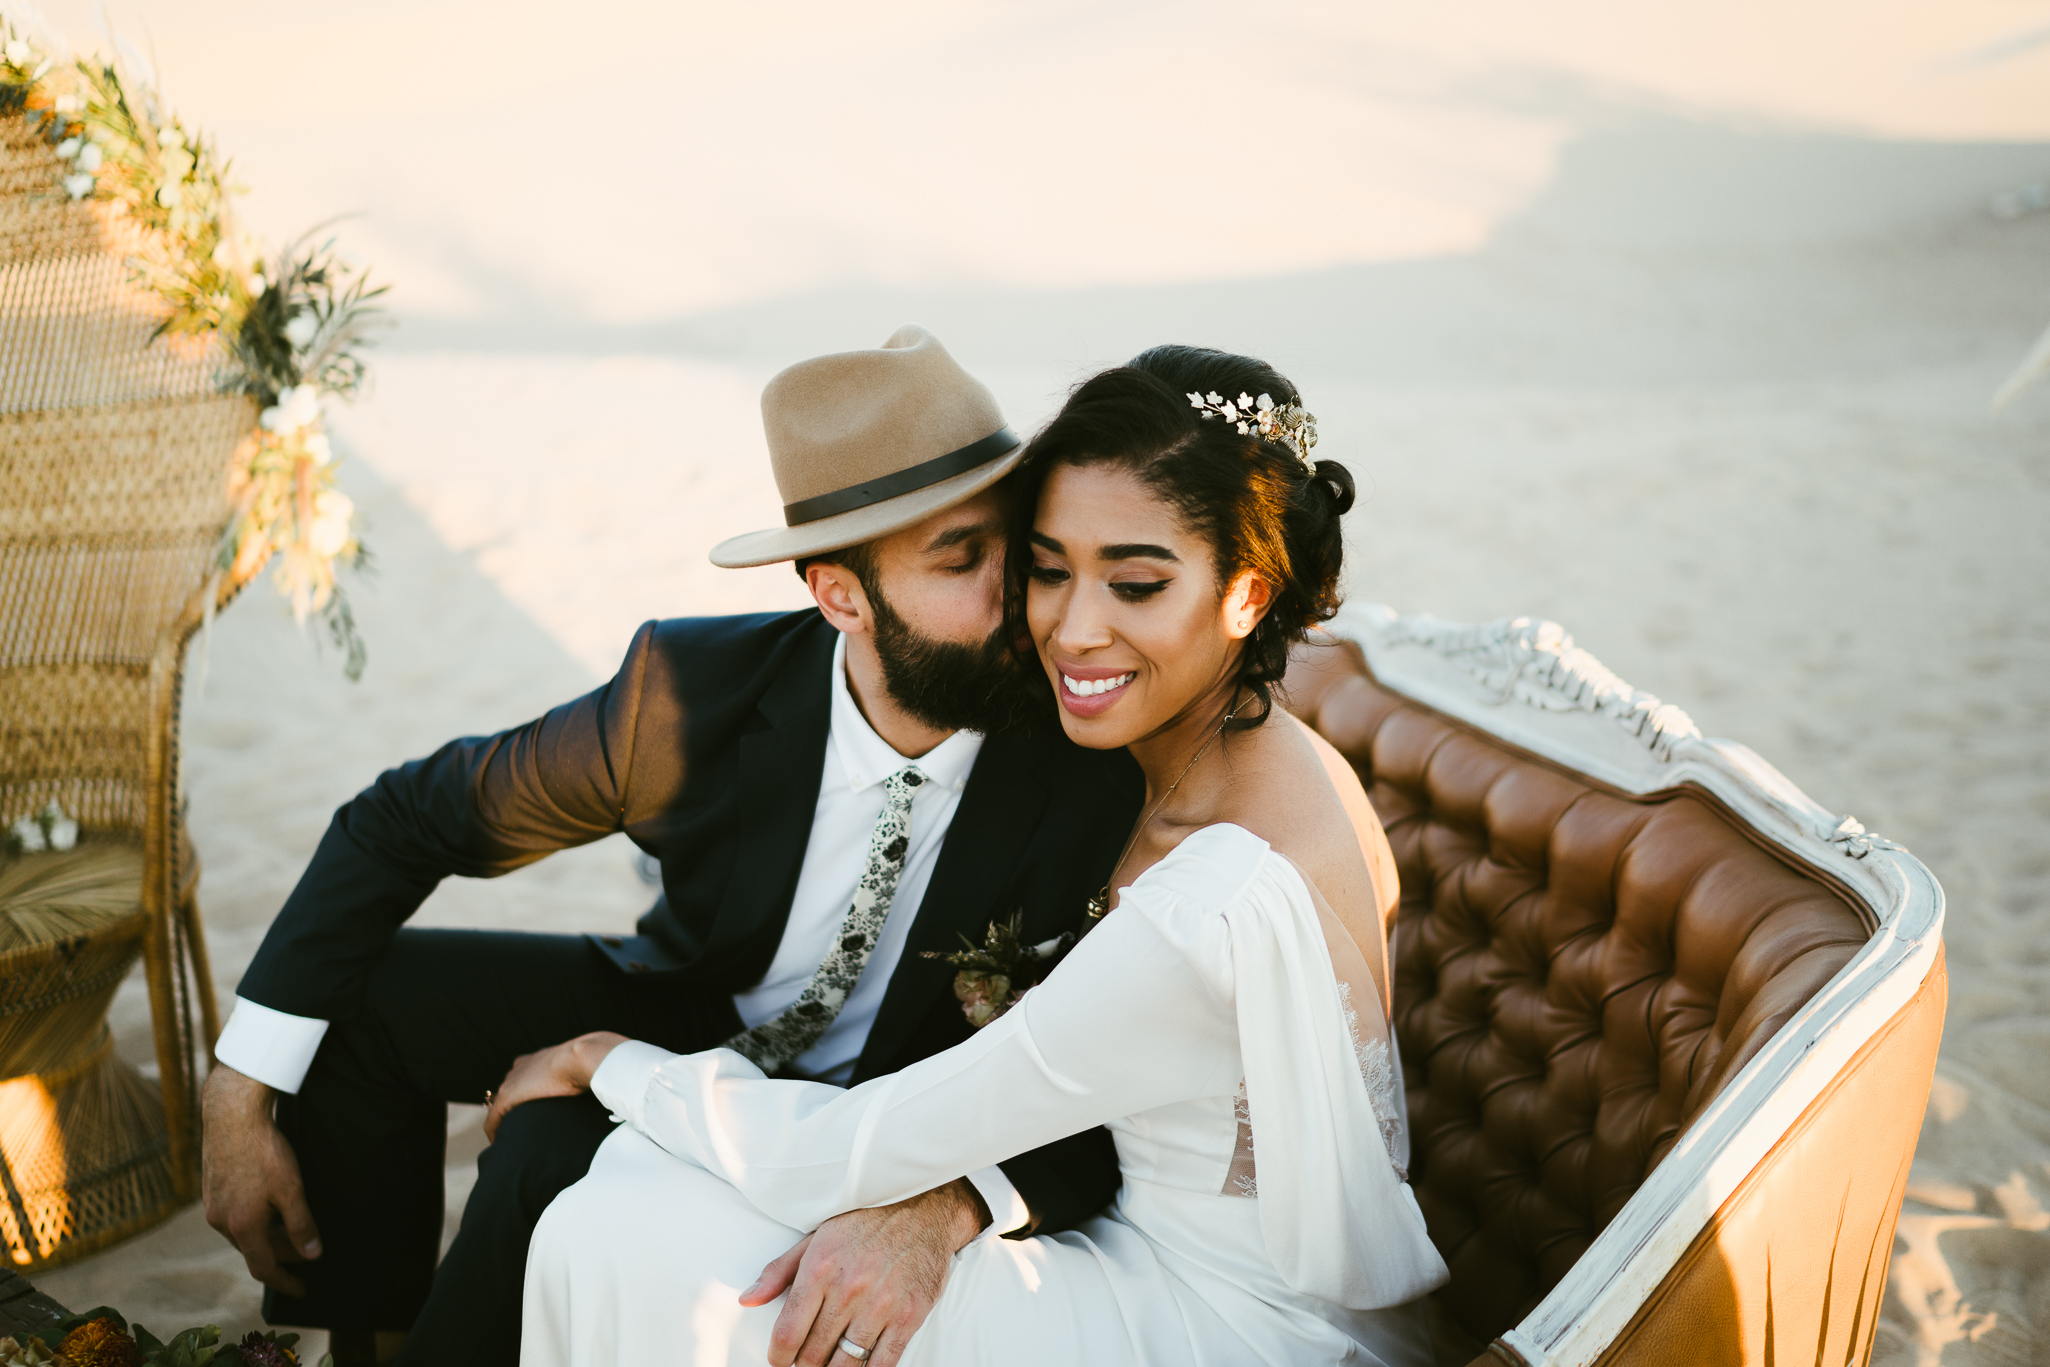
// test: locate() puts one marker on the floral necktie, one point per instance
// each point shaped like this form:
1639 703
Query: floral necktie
776 1042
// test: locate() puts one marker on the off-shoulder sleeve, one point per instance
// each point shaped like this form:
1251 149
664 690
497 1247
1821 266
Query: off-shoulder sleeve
1139 1015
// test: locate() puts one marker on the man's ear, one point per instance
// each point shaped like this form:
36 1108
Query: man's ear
1246 603
840 596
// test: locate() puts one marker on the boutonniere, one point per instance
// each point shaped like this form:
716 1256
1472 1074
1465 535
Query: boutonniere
993 977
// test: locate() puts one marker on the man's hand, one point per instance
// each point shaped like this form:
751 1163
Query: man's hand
871 1276
250 1180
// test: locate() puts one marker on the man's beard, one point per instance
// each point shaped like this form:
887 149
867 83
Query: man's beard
955 685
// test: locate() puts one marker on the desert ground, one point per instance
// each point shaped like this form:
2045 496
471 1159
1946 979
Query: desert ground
1715 399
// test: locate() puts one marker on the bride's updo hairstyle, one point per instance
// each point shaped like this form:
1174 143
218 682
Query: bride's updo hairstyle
1261 506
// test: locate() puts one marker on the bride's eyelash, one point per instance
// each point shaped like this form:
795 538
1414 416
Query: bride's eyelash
1139 592
1047 574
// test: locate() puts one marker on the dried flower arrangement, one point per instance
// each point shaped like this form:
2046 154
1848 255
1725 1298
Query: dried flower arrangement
994 977
292 325
103 1338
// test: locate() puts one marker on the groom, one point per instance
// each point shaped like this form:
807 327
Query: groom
830 793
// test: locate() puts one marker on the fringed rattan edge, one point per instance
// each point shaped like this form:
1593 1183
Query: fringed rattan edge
132 926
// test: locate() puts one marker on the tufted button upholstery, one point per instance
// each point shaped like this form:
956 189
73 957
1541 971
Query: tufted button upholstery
1577 974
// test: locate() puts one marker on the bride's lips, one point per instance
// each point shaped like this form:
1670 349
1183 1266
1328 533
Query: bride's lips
1091 692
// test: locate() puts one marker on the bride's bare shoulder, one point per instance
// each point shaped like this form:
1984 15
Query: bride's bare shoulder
1295 791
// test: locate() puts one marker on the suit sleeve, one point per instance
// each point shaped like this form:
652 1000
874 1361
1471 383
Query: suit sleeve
477 807
1065 1182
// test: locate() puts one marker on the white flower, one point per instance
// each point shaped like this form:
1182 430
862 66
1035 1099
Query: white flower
89 158
68 148
59 829
1245 399
302 327
69 104
330 530
317 446
1214 398
170 137
257 284
1231 414
169 194
19 52
328 536
27 835
303 406
1244 431
78 186
296 407
1195 400
1266 402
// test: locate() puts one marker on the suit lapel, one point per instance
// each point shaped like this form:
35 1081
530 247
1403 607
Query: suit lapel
998 813
780 768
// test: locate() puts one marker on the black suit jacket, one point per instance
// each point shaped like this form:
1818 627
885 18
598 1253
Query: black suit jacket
707 749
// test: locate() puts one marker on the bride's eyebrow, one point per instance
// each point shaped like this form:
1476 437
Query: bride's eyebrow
1043 540
1138 550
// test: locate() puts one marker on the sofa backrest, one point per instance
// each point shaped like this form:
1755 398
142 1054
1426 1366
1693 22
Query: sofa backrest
1578 972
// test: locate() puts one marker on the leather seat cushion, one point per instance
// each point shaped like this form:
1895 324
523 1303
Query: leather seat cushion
1577 974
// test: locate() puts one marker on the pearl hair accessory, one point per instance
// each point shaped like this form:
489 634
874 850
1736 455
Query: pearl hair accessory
1288 424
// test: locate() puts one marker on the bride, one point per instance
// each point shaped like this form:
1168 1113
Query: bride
1227 1019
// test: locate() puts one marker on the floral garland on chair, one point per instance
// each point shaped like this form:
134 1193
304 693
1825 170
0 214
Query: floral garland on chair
292 325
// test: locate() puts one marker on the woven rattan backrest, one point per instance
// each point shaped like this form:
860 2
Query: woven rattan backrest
113 455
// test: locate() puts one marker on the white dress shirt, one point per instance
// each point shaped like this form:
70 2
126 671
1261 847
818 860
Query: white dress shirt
851 798
277 1048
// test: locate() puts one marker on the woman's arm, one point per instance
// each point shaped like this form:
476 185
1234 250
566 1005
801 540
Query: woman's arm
1139 1015
564 1070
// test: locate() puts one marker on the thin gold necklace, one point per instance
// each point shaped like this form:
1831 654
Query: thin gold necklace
1099 905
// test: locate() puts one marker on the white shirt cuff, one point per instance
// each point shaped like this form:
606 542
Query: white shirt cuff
1007 1209
274 1048
621 1081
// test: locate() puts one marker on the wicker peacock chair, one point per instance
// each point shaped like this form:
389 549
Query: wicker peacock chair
113 452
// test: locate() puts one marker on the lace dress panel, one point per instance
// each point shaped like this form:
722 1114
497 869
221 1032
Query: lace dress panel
1372 1046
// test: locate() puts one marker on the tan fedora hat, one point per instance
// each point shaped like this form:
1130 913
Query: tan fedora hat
865 443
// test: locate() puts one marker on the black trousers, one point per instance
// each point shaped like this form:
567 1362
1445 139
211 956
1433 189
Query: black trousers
445 1013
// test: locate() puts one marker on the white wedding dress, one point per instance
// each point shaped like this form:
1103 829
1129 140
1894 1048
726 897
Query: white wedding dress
1214 1007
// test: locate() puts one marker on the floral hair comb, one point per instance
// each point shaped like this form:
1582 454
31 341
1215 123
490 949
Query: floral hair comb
1288 424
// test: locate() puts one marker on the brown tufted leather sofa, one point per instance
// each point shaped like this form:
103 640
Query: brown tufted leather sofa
1579 972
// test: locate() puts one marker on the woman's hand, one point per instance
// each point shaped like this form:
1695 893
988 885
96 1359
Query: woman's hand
563 1070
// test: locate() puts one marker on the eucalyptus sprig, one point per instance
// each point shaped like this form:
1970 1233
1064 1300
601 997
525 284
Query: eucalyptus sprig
310 326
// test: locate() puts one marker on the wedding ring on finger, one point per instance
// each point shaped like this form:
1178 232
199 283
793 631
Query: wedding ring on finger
853 1349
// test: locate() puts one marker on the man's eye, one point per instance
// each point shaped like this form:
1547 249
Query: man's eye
1141 591
1049 574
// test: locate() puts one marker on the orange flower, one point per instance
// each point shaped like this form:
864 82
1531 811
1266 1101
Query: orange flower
99 1343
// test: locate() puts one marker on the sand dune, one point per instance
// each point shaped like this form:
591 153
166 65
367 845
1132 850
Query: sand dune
1716 401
